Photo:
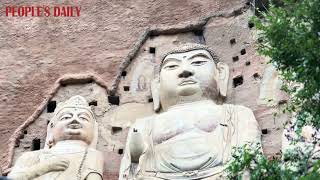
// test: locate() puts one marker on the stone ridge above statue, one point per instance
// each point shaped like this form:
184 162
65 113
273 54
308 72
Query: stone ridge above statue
192 136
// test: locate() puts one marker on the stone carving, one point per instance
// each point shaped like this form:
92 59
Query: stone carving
141 83
70 147
192 136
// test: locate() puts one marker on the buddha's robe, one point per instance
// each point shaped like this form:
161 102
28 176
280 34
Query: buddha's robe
191 142
92 163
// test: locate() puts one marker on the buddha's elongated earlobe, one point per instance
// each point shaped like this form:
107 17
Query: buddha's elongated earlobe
155 87
223 77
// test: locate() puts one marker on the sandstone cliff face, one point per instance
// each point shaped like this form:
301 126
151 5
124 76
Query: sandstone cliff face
36 51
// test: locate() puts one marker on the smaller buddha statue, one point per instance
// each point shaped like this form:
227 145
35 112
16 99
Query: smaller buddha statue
70 152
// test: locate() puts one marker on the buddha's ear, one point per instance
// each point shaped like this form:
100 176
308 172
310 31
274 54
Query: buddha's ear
223 77
155 92
94 141
49 138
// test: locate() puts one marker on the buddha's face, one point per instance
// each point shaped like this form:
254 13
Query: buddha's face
74 124
187 74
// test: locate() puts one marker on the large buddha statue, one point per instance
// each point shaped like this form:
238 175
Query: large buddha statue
70 152
192 135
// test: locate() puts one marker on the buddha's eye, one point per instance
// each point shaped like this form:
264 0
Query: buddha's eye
171 67
83 118
199 63
66 117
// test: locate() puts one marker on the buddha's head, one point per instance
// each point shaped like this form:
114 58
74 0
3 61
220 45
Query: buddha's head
189 73
73 120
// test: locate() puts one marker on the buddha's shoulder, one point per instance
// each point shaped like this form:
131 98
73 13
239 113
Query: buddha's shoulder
30 155
143 121
94 151
240 109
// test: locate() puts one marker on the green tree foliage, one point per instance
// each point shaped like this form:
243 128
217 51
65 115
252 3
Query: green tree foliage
296 164
290 36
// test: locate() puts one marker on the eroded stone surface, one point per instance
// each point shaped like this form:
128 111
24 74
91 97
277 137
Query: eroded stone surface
35 51
91 45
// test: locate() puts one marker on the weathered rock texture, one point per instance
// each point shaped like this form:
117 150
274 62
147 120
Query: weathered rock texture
115 36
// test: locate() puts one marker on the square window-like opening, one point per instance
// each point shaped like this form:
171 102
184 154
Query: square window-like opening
124 73
256 76
250 25
243 51
51 106
114 100
152 50
126 88
116 129
93 103
235 58
36 143
232 41
264 131
237 81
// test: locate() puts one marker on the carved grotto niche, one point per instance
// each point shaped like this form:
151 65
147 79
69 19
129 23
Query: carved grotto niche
31 136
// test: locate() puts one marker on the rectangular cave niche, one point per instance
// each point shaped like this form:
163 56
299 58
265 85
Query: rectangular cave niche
93 103
124 73
51 106
114 100
243 51
237 81
152 50
36 143
116 129
235 58
126 88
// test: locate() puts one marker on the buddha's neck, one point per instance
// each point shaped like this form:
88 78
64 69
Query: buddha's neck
70 145
190 104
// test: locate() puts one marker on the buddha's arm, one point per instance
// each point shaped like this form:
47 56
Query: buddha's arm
28 166
94 165
136 144
248 125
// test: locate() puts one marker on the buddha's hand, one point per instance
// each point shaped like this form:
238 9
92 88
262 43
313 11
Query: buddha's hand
136 144
56 164
39 169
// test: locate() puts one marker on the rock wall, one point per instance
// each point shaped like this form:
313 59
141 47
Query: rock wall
113 40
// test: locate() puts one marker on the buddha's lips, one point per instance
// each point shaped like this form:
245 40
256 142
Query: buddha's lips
187 81
75 126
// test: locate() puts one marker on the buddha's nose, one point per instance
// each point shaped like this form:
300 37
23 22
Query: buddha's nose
74 121
185 74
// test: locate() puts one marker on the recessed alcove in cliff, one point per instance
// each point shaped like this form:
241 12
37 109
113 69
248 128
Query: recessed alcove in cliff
33 136
51 106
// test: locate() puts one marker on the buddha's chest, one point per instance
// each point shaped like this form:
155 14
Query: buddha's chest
181 121
72 172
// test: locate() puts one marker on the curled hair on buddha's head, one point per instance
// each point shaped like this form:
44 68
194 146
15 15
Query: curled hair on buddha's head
190 47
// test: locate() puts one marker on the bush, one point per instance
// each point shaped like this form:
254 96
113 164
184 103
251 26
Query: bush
290 36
